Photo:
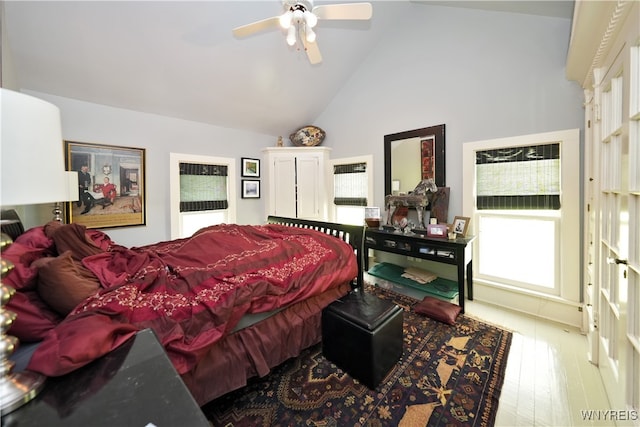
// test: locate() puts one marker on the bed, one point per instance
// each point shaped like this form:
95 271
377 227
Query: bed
227 304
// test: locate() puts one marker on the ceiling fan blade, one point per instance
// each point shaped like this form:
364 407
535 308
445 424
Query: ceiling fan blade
313 52
256 27
344 11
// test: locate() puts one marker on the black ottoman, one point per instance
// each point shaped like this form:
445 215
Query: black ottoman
362 334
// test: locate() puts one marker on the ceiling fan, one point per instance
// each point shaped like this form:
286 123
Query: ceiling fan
300 17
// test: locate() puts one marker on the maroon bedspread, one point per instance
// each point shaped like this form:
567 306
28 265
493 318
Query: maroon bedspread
192 291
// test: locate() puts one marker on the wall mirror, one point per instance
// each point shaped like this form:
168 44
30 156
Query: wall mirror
411 156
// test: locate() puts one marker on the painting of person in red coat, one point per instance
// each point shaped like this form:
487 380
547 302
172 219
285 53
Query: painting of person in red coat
108 190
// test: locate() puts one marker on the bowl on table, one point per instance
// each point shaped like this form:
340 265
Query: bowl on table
372 222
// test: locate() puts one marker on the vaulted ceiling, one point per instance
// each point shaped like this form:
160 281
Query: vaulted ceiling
180 59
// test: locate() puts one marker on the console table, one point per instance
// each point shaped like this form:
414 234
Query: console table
456 252
134 385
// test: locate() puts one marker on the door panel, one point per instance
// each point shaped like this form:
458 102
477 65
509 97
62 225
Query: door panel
284 193
308 197
618 349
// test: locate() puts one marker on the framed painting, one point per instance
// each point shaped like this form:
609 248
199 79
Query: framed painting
250 167
250 189
111 185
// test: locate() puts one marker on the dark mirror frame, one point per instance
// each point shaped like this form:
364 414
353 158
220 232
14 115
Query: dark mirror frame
439 153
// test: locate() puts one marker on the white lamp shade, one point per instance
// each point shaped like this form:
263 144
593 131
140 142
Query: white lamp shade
31 150
72 186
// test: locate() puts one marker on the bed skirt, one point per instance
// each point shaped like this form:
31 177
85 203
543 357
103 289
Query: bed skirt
254 350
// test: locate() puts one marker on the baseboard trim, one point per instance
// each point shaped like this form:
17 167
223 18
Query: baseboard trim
550 308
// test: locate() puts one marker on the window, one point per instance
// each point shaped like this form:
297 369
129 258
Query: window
523 194
518 178
203 187
352 189
201 193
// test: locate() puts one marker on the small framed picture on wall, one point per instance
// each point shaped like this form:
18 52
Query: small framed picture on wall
250 168
250 189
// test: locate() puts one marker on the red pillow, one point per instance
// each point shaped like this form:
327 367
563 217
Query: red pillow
64 283
33 318
100 239
438 309
34 238
27 248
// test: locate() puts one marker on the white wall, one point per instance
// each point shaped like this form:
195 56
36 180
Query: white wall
86 122
483 74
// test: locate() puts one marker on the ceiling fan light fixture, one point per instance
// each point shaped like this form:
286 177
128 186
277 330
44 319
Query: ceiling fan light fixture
310 19
291 35
285 19
298 16
310 35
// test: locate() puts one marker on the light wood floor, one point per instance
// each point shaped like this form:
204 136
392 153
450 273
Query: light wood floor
549 381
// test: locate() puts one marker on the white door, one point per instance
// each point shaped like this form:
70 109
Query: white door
618 222
308 176
284 187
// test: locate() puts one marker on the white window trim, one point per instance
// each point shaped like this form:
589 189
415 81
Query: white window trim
174 186
368 159
570 221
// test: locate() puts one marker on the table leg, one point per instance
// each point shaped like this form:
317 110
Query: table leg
470 280
461 285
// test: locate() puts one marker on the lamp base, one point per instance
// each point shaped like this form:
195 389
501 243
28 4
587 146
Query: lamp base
18 388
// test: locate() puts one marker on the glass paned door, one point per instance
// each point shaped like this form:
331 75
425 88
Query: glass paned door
619 227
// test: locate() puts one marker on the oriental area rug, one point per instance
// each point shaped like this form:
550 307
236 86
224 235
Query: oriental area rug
447 376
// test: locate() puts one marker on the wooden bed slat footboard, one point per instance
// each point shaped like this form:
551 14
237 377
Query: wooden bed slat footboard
352 234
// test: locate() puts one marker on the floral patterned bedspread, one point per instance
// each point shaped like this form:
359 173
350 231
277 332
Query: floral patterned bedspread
192 291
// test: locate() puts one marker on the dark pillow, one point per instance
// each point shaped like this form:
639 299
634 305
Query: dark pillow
64 283
51 227
72 237
438 309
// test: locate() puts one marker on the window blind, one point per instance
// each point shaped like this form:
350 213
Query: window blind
519 177
203 187
350 184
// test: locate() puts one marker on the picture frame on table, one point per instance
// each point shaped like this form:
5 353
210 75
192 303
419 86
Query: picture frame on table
460 225
250 167
437 230
111 185
250 189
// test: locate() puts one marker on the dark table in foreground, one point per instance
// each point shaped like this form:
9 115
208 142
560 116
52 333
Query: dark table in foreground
134 385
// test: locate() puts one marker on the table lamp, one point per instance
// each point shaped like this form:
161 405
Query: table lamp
33 172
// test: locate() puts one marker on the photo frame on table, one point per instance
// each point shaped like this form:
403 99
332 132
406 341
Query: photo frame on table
111 185
250 167
437 230
461 225
250 189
